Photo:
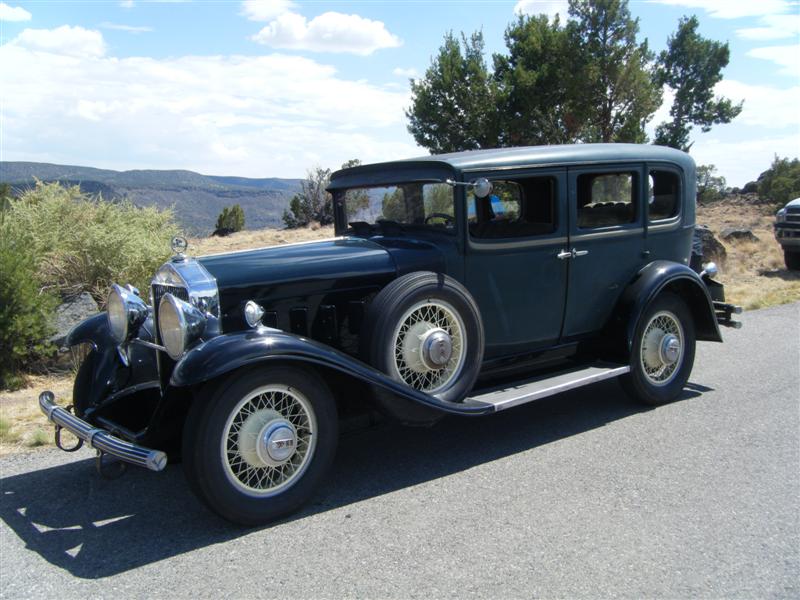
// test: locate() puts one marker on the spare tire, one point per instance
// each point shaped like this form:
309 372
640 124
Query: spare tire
424 329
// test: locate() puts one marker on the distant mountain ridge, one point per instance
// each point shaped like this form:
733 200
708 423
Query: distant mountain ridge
196 199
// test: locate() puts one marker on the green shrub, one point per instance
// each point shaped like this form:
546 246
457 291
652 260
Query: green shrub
25 311
781 182
231 218
80 243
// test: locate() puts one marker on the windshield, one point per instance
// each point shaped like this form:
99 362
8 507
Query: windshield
411 204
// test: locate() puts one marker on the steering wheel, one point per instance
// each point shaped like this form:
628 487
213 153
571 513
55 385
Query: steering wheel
448 219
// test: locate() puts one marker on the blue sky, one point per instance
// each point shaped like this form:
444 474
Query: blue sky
270 89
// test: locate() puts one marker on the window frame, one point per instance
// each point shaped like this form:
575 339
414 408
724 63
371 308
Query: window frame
557 236
636 227
674 221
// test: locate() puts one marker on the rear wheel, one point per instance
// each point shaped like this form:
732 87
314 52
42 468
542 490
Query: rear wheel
662 353
256 446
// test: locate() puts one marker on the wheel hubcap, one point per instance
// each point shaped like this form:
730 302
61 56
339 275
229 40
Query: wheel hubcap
662 348
276 443
436 348
670 349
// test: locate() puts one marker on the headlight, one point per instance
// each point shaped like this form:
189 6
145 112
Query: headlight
780 216
126 312
179 324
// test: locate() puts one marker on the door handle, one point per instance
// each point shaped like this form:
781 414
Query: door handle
579 252
564 254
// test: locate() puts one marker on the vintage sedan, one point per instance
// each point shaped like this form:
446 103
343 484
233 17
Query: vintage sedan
464 283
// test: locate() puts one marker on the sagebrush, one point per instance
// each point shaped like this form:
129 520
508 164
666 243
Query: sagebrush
82 243
25 312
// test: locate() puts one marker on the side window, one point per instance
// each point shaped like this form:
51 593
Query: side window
515 208
606 199
664 195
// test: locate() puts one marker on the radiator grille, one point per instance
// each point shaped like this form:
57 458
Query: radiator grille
159 290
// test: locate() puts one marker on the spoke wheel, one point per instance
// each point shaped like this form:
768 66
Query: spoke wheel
662 348
424 330
429 346
662 351
269 439
257 443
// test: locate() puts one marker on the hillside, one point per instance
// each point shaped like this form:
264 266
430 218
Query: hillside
197 199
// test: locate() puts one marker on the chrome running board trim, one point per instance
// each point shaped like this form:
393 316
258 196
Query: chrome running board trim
503 397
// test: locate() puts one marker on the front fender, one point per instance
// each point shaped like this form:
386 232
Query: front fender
93 330
664 275
228 352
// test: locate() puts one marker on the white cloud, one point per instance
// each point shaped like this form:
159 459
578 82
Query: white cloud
128 28
258 116
401 72
769 124
328 32
551 8
742 160
774 27
13 13
734 9
64 40
265 10
126 4
765 107
786 57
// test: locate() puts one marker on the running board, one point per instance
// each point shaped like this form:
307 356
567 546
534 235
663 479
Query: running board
503 397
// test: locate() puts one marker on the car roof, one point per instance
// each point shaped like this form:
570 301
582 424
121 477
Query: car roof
533 156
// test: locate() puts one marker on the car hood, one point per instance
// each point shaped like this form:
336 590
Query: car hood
301 262
793 204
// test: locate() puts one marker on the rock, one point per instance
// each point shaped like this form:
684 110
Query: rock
70 313
738 234
712 249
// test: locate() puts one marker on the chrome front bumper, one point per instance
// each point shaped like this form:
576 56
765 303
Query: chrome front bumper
99 439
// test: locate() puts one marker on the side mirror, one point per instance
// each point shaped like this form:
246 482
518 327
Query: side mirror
709 270
482 187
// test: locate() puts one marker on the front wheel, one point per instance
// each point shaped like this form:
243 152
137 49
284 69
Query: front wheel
792 259
256 445
662 353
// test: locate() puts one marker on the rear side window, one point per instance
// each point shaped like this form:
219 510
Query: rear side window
606 199
516 208
664 195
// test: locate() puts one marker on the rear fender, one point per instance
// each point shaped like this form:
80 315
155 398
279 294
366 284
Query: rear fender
226 353
662 276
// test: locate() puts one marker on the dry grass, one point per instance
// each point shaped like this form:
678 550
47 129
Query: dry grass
754 273
245 240
22 424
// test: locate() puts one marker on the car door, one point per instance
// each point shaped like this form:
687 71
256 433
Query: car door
511 264
606 242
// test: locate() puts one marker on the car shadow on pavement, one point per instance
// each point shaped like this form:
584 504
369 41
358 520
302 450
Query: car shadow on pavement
94 528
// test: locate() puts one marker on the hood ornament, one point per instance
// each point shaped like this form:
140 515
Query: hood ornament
179 246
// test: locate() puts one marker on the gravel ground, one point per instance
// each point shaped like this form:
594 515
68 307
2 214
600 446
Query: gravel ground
582 495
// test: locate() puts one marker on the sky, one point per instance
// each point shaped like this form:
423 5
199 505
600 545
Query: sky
274 88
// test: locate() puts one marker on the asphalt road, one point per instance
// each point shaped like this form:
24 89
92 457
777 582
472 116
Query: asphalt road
583 495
